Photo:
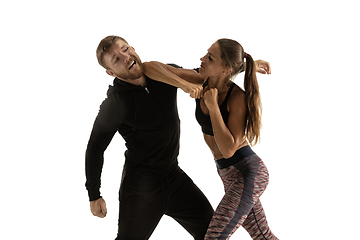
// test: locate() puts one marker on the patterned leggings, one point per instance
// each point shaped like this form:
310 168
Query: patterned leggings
245 178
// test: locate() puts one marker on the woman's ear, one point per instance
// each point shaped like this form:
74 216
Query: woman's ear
111 73
227 71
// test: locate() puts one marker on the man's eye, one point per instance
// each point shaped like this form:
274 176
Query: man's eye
126 49
116 60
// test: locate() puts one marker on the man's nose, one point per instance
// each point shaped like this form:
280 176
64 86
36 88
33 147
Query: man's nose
126 57
123 56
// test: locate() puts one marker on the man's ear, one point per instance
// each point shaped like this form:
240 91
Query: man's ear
111 73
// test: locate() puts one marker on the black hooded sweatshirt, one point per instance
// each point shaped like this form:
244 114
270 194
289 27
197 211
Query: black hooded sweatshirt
147 118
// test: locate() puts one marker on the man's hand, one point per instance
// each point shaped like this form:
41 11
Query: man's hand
195 90
263 67
98 208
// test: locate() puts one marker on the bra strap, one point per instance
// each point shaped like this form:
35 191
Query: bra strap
229 92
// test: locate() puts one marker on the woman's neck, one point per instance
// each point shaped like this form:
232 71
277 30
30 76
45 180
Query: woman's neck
221 84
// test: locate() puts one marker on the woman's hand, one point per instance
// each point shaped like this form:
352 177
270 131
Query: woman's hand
211 98
262 67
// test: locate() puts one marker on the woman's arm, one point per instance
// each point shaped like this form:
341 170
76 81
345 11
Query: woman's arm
188 80
228 138
262 67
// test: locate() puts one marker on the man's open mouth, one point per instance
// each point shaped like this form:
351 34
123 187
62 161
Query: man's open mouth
132 64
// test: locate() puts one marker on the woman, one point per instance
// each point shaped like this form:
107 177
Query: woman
231 120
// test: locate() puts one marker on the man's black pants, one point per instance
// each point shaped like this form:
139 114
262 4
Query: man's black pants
146 197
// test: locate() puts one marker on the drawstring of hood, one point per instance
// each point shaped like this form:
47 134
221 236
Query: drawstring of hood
161 104
135 112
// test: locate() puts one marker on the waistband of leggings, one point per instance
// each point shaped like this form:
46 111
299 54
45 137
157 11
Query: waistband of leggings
238 155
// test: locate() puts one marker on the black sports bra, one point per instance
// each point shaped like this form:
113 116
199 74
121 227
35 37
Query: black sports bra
204 120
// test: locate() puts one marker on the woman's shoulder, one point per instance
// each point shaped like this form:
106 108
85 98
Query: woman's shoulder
237 91
237 96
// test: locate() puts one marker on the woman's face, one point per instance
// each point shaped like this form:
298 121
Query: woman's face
211 63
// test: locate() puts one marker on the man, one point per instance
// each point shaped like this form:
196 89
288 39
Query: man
145 113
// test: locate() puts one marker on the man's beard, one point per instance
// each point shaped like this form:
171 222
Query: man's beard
133 75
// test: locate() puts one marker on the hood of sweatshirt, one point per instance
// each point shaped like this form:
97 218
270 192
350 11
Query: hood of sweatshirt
122 89
121 86
147 102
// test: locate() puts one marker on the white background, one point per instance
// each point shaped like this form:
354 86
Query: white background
52 86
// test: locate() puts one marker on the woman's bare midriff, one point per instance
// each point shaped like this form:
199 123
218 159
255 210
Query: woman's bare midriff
210 141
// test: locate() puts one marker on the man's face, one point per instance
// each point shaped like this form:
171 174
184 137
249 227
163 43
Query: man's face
123 62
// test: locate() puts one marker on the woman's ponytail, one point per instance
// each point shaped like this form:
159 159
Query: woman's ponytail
253 102
233 55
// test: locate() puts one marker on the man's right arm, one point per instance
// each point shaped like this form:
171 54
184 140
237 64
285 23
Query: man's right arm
99 140
110 117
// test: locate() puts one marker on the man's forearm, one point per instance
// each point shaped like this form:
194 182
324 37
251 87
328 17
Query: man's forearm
158 72
93 165
94 158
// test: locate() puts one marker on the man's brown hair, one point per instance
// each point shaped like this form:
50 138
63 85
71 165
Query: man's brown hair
104 47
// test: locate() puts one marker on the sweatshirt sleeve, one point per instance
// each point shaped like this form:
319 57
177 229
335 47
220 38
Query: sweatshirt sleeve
105 126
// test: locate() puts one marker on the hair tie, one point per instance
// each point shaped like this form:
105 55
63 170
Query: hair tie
245 54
